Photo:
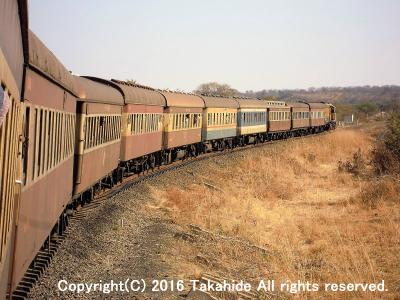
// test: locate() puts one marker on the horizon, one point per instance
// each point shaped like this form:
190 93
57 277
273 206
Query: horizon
256 46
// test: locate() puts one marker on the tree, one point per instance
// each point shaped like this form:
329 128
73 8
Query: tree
343 110
270 98
216 89
367 108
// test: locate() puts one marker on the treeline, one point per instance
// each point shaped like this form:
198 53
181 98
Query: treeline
362 101
380 95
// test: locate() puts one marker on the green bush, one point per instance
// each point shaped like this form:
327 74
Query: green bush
392 134
386 154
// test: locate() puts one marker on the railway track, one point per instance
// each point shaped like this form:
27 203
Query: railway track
45 255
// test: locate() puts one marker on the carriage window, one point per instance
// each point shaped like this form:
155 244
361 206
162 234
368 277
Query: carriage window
135 123
25 145
34 158
187 121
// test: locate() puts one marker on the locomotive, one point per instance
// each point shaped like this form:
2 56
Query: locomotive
64 138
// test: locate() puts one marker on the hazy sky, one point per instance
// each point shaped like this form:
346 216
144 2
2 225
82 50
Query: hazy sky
247 44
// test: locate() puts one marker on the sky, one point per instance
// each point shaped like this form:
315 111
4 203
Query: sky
250 45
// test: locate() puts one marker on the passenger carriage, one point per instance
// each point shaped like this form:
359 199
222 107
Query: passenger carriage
48 152
13 54
98 137
141 141
319 116
251 120
300 113
182 125
219 122
279 120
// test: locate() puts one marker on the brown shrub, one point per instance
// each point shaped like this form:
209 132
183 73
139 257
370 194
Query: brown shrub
356 166
384 161
375 192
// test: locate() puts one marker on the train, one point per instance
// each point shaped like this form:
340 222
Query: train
65 138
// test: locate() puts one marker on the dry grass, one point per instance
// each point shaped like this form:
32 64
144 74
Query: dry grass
320 224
